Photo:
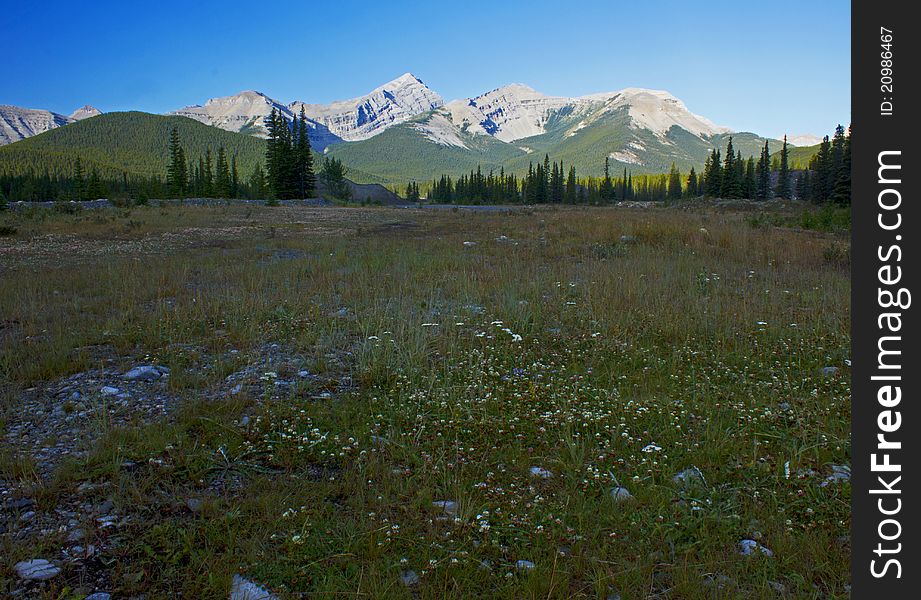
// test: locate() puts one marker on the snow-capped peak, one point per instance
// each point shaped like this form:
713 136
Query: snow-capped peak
395 102
803 139
84 112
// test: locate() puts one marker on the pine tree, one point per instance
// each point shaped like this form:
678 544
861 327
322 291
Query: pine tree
692 191
842 191
94 187
234 178
208 176
176 177
674 183
570 195
713 174
763 174
222 175
333 176
783 175
607 187
79 183
306 179
749 184
257 183
730 186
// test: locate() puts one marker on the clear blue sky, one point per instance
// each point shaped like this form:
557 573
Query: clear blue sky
769 67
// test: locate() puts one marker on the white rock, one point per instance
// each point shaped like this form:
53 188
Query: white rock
244 589
143 373
621 494
541 473
409 578
749 547
108 390
524 565
37 569
449 506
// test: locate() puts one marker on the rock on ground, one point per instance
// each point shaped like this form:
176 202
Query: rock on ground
37 569
244 589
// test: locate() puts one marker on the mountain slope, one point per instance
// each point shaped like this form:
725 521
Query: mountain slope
364 117
125 142
19 123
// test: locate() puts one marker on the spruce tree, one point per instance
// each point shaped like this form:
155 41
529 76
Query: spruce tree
222 175
176 177
674 183
208 176
749 185
763 174
691 190
730 186
79 183
842 190
783 174
570 194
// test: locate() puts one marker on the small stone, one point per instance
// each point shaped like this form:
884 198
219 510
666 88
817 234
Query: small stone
143 373
830 371
244 421
27 516
621 494
784 406
303 374
778 587
469 244
76 535
104 507
19 504
449 506
244 589
108 390
409 578
99 596
524 565
750 547
689 476
541 473
194 504
627 239
839 474
236 389
37 569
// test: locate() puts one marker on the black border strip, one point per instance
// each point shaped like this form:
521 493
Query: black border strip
878 255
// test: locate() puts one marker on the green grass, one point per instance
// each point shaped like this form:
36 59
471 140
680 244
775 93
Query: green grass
689 338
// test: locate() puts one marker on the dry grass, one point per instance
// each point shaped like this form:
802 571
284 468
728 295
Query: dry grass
688 335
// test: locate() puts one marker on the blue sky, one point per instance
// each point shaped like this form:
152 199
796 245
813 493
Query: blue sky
769 67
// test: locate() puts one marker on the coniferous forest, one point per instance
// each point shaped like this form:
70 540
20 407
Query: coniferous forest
284 169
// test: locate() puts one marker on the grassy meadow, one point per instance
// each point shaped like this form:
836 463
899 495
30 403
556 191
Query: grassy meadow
419 403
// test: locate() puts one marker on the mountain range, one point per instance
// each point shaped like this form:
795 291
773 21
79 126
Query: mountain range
403 130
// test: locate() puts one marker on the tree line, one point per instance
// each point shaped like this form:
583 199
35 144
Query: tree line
725 174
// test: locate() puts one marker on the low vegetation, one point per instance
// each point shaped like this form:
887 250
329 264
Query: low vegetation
558 402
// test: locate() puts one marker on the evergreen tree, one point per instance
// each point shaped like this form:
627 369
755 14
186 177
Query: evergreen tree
234 178
333 176
783 175
763 174
257 183
94 187
674 183
713 174
842 190
208 176
606 192
79 183
692 189
306 179
749 184
730 186
222 175
570 195
176 177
